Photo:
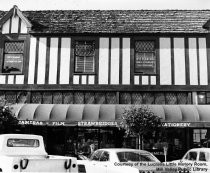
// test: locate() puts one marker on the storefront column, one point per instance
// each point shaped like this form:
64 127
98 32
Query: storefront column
187 135
194 98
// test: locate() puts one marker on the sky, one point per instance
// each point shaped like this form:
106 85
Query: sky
23 5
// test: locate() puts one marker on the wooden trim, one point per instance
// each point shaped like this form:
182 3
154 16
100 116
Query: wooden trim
208 56
28 23
80 79
172 62
47 60
120 60
36 61
26 58
87 79
71 62
6 80
157 48
198 59
149 80
14 80
118 97
2 38
109 66
59 60
132 61
140 79
28 100
142 35
10 25
124 88
96 61
19 25
187 65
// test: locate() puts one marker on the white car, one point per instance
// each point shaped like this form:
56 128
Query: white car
26 153
121 160
195 160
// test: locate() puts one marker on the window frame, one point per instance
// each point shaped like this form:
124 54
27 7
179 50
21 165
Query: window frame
205 156
97 154
14 38
79 39
188 157
155 52
102 156
21 54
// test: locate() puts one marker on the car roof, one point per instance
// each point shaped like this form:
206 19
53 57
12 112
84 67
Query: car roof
200 149
123 149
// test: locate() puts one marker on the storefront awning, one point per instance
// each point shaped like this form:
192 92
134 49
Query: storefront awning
107 115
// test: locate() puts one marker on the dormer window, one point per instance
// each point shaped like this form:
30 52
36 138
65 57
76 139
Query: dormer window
13 57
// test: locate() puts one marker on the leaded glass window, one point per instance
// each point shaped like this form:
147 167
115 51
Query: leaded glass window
145 59
85 56
13 57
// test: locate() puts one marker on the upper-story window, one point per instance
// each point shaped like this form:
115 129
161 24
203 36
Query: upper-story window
84 56
145 59
13 57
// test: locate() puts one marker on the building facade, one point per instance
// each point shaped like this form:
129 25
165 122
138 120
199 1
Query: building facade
87 64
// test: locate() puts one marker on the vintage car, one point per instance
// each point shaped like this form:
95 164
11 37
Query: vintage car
123 160
26 153
195 160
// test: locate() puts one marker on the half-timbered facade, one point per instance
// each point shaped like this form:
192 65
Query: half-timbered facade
153 57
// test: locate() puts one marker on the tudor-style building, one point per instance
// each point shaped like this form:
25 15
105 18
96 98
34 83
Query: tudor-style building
64 69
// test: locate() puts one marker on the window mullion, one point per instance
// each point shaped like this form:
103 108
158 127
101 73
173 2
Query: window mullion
84 63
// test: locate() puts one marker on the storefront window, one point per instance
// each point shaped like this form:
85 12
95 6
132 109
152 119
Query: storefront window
91 139
171 138
199 137
201 98
87 141
56 140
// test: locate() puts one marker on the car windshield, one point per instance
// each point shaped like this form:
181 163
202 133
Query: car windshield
132 156
22 143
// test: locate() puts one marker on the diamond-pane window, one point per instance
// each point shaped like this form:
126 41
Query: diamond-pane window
84 56
14 47
13 57
145 59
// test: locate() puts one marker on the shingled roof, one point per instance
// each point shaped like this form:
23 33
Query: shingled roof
118 21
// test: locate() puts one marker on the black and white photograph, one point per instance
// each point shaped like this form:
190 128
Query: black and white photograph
105 86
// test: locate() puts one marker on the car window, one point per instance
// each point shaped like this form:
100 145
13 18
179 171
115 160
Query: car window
96 155
15 142
192 155
135 156
104 156
204 156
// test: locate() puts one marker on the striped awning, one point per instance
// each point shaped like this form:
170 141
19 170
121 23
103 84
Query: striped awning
107 115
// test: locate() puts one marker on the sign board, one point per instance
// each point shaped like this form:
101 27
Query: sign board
106 123
68 123
13 62
145 62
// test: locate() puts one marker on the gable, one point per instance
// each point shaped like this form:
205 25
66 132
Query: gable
14 22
